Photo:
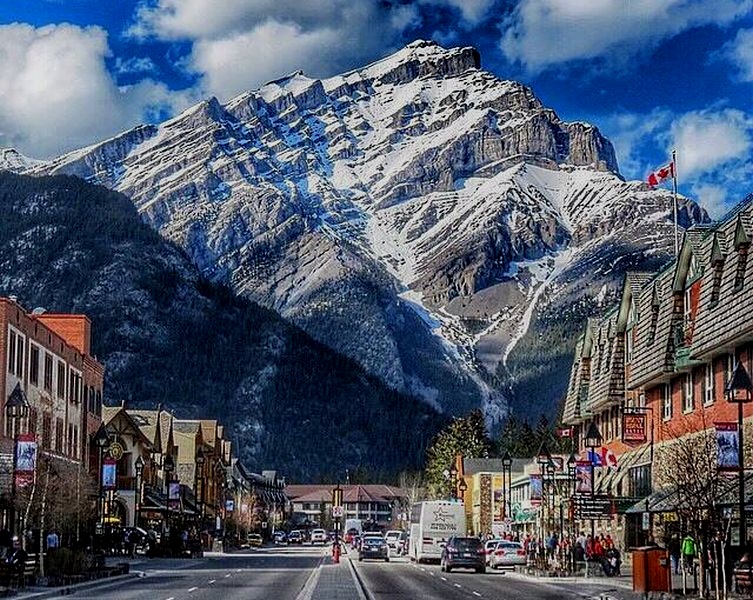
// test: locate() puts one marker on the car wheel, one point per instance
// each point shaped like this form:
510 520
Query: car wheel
442 566
481 570
360 559
447 568
387 559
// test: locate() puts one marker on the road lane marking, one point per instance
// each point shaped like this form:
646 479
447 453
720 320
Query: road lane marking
457 585
228 575
193 589
477 594
444 578
170 598
431 573
211 581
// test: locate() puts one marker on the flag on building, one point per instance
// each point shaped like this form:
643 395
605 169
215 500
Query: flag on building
565 432
662 174
608 458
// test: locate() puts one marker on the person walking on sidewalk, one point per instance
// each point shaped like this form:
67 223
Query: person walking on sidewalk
688 551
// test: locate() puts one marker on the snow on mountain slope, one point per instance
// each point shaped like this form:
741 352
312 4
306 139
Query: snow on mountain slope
412 214
12 160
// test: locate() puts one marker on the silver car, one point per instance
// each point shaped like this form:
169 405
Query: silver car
507 554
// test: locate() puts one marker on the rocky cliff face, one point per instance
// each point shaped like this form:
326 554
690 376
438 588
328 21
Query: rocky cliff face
411 213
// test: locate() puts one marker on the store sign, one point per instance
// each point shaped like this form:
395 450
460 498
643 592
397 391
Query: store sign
634 428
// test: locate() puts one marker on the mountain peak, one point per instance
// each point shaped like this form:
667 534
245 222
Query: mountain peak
12 160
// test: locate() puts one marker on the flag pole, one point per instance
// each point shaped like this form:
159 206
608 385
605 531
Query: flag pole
674 200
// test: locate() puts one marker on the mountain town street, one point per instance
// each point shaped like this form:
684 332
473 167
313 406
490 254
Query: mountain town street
307 573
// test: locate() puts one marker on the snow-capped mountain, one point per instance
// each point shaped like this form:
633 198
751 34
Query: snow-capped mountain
418 214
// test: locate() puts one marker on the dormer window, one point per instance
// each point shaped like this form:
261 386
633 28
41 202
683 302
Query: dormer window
742 244
654 317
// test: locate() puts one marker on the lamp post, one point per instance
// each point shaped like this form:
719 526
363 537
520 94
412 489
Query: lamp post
138 498
739 390
592 440
168 466
572 461
544 457
16 408
101 441
462 487
453 482
506 483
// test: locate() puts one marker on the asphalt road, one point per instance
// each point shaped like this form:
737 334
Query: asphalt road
401 580
261 574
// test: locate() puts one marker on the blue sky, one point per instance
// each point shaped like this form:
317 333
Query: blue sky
652 75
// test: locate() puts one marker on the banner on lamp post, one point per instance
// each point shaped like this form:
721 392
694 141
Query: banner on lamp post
583 482
537 490
634 428
26 459
498 499
109 474
727 442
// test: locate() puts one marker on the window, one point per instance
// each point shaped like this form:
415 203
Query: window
688 307
59 432
74 392
61 380
729 367
666 401
69 447
32 424
47 372
708 384
46 431
629 345
716 282
742 261
34 364
20 357
99 403
12 352
688 400
639 481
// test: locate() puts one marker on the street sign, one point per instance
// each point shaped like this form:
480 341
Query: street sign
593 507
338 512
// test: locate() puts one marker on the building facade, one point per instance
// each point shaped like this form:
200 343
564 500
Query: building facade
653 370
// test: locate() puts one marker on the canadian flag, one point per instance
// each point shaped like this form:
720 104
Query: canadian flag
608 458
565 432
662 174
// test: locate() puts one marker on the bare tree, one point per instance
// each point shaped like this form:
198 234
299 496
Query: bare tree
686 467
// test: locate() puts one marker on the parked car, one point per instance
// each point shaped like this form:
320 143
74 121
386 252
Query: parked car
318 536
507 554
295 537
280 538
463 552
489 547
374 547
255 540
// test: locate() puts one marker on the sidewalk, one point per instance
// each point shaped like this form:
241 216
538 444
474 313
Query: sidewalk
332 581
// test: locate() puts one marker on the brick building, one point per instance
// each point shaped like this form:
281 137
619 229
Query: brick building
659 360
48 356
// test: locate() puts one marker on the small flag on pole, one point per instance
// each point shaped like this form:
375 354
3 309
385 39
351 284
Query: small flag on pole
662 174
565 432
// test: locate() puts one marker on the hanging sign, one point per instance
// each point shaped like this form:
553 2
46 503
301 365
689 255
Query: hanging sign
634 428
498 499
173 495
537 490
727 440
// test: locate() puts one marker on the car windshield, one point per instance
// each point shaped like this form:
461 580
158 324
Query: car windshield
374 541
510 545
467 543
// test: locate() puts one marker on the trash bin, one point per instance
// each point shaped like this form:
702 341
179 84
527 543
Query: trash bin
651 570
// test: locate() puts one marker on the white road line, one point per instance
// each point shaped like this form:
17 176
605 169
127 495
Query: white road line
457 585
444 578
228 575
193 589
170 598
477 594
424 570
211 581
431 573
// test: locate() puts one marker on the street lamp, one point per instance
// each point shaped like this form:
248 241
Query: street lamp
506 485
200 482
168 466
16 408
592 440
462 487
543 457
139 499
739 390
101 440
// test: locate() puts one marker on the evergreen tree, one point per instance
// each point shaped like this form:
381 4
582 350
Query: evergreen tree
464 435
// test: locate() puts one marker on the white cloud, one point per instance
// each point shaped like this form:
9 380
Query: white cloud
56 93
239 45
631 133
708 140
740 52
713 198
135 64
542 33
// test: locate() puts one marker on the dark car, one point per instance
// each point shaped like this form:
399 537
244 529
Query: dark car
463 552
374 547
295 537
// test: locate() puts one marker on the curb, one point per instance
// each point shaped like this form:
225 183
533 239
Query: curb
72 589
363 593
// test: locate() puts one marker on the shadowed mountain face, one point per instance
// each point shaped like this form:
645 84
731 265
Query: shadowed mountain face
419 215
168 335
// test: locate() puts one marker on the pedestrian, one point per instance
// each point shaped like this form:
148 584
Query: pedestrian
53 541
674 553
688 551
